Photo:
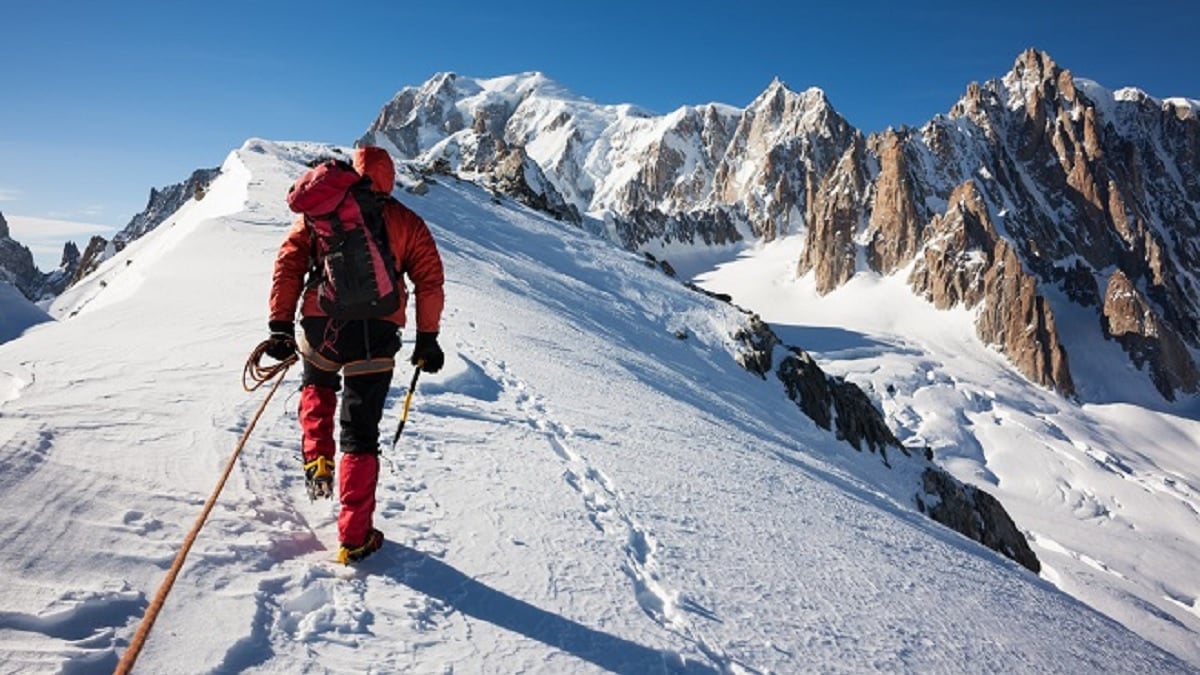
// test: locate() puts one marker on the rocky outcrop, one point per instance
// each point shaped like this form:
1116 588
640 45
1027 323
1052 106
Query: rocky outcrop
757 348
163 203
1150 342
842 407
974 513
897 217
402 123
98 250
519 177
710 228
966 262
1080 181
58 280
785 143
708 174
17 266
835 404
16 261
837 213
475 142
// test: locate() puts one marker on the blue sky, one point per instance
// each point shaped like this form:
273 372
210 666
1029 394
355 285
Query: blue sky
99 102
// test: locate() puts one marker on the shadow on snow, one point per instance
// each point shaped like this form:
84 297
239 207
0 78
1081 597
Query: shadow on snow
426 574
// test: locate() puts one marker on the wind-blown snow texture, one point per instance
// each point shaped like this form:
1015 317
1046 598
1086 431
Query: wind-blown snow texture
578 491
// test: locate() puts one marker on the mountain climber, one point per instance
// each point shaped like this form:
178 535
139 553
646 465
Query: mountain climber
359 353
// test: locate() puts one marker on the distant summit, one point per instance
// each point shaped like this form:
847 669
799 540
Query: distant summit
16 261
16 265
1036 196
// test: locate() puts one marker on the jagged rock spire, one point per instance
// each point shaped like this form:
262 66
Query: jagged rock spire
1072 181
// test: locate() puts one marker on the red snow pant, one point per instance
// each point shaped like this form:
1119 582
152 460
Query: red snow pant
358 353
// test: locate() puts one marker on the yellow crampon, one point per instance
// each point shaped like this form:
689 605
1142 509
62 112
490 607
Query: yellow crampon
348 554
318 478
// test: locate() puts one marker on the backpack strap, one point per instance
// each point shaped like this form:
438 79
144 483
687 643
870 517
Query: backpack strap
314 260
314 257
376 202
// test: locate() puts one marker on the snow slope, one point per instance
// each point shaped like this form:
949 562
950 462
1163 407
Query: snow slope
1108 494
579 491
17 314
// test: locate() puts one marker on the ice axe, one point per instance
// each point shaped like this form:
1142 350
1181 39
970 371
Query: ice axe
412 388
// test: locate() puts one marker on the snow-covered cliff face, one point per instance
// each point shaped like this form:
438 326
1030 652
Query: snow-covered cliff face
1025 202
708 174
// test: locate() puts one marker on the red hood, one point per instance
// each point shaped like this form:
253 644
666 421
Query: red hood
376 164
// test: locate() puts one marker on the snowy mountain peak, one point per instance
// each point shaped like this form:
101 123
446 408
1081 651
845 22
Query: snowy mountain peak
1033 75
789 163
1185 108
811 104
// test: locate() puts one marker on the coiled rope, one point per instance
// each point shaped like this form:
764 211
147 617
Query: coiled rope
254 375
259 374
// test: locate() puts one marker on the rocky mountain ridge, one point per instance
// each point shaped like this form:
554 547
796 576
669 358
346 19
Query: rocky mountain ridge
16 261
1037 196
16 264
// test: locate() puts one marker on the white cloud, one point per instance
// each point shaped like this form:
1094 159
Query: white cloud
90 211
8 194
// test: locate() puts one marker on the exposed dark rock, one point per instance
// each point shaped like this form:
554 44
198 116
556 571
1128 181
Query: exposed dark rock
163 203
968 263
838 212
840 406
1150 342
519 177
897 218
98 250
17 266
58 280
843 407
758 347
833 402
638 227
974 513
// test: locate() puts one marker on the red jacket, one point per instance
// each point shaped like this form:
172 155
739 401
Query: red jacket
413 249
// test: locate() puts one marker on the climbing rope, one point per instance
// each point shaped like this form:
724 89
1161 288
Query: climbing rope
260 375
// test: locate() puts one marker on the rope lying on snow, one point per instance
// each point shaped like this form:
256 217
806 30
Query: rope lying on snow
260 375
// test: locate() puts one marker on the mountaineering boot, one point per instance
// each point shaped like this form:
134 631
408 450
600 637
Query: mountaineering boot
318 478
350 554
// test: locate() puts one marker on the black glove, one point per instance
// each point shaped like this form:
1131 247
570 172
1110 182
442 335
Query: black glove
281 346
427 353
